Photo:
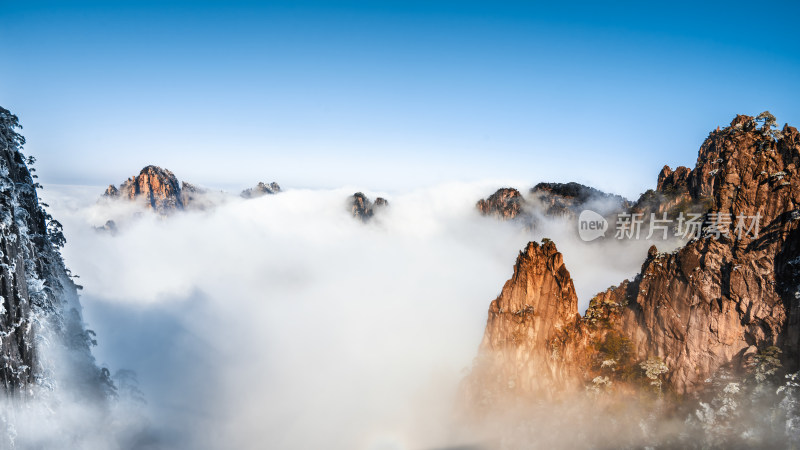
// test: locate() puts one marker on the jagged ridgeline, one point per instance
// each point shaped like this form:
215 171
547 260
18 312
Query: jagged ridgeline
45 346
719 303
158 189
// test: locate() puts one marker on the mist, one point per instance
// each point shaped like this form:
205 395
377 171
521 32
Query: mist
282 322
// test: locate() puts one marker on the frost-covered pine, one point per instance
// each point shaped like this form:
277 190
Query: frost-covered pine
653 369
44 345
789 406
599 385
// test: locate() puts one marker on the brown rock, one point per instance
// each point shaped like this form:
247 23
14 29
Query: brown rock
505 204
707 305
569 199
159 188
522 351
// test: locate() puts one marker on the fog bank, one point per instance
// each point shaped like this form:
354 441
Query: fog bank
282 322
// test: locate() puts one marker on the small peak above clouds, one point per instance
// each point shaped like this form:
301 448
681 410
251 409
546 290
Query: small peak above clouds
260 190
158 190
505 204
363 208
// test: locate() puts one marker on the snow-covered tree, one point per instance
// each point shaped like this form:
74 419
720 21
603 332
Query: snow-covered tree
653 368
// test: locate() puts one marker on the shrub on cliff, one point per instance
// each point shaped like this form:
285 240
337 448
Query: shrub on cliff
619 349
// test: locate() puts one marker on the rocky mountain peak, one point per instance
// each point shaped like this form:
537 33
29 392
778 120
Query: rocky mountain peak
157 187
111 191
536 310
505 203
673 181
541 281
363 208
569 199
261 189
712 303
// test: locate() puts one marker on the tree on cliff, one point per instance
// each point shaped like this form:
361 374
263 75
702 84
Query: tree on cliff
9 138
653 369
768 121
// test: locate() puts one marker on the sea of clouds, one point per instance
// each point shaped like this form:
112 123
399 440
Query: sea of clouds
283 322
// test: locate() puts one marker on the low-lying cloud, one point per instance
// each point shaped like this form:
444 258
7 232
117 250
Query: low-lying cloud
282 322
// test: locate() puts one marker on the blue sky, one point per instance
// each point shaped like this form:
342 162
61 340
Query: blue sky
389 95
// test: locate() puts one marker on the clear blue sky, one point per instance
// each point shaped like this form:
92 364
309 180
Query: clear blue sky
389 95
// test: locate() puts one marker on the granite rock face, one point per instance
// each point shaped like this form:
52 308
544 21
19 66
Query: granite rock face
158 188
160 191
713 303
536 310
505 204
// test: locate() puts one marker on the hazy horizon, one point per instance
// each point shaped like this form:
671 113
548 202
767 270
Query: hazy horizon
313 318
388 95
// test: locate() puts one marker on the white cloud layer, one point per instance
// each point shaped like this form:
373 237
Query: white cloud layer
282 322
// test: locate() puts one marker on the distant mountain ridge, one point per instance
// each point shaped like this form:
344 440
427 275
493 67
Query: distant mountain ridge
549 200
160 191
260 190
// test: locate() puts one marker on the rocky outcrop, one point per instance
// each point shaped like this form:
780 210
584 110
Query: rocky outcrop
676 181
39 309
109 227
159 191
537 310
713 303
556 200
363 208
569 199
157 188
505 204
673 196
199 199
260 190
190 193
111 192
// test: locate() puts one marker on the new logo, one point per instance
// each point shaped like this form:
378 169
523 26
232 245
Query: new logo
591 225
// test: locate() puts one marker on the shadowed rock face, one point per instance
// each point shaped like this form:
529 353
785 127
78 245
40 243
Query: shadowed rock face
569 199
111 191
565 200
362 207
506 203
712 303
38 300
159 188
260 190
190 193
109 227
